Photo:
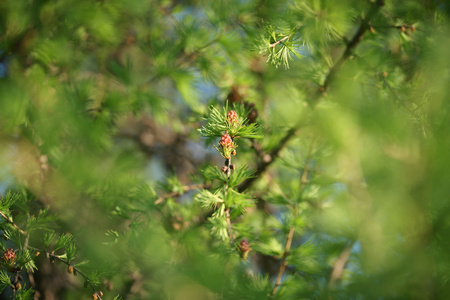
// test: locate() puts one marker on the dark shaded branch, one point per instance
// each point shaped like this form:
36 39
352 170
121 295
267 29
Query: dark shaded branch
265 160
12 223
351 45
52 257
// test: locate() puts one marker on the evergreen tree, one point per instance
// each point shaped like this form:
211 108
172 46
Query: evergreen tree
224 149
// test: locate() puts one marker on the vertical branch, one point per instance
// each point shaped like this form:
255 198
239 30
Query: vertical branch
227 210
290 237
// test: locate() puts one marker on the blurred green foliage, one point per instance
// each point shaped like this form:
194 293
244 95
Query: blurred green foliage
101 102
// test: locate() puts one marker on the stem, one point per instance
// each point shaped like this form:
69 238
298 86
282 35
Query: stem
357 38
51 256
228 209
279 41
289 238
339 265
287 248
12 223
266 159
185 189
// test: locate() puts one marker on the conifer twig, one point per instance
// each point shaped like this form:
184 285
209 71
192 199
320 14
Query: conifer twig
289 238
12 223
265 160
185 189
227 211
279 41
339 265
357 38
51 256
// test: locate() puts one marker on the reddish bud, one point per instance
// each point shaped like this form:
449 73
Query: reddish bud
232 117
95 296
232 167
9 256
224 169
226 141
70 269
244 248
18 286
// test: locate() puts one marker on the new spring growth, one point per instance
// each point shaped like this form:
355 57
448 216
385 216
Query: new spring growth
244 248
226 146
226 143
232 119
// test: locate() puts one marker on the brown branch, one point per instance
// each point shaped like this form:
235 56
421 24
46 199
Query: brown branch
51 256
339 265
265 160
357 38
289 238
279 41
12 223
75 271
185 189
228 209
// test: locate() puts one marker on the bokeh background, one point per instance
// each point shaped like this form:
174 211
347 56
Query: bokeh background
100 102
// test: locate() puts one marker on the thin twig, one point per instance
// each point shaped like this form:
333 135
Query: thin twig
76 271
265 160
289 238
339 265
357 38
228 209
12 223
49 255
279 41
185 189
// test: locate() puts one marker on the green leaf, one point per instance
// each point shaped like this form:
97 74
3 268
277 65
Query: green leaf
219 226
7 201
44 221
48 238
238 201
24 294
4 280
208 199
213 173
270 247
14 235
217 124
239 175
25 258
62 241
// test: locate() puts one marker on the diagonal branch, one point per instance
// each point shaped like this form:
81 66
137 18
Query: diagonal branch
339 265
279 41
265 160
351 45
12 223
185 189
289 238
